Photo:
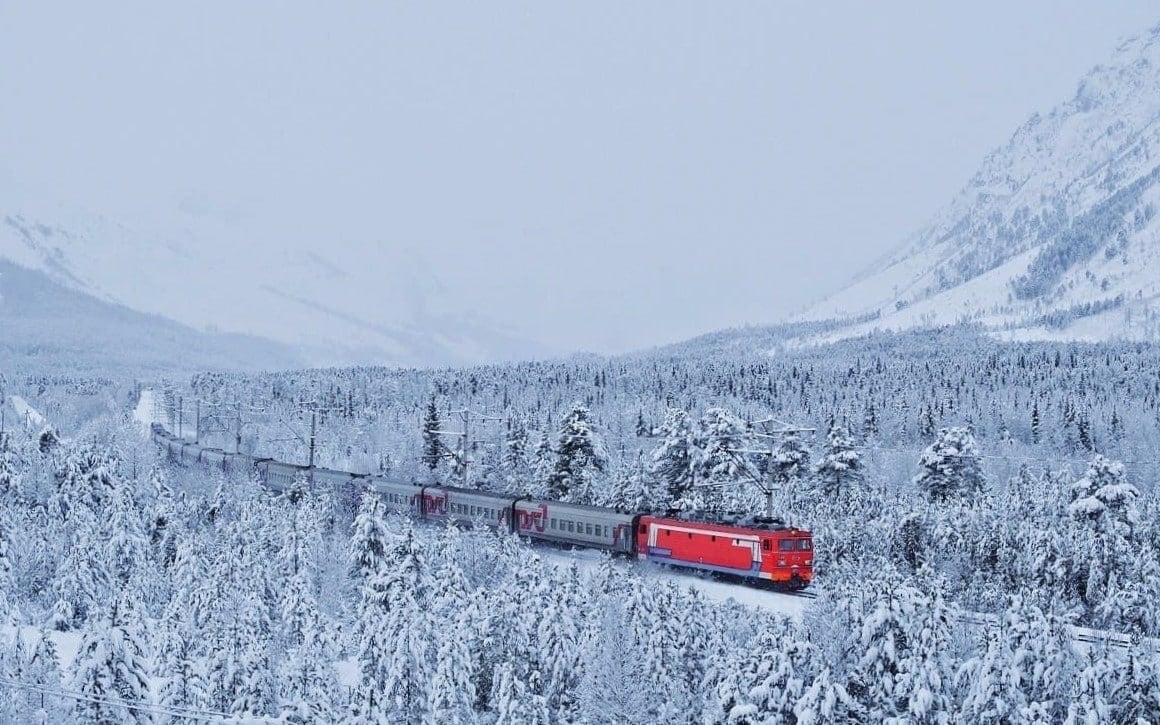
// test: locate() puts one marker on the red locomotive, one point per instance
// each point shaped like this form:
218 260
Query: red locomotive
755 549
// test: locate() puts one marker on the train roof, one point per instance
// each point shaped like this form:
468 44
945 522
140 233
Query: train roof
475 492
743 521
596 510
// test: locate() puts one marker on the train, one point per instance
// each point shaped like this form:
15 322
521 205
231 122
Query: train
761 551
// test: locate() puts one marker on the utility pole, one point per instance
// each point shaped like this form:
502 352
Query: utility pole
313 434
180 412
769 486
465 441
197 424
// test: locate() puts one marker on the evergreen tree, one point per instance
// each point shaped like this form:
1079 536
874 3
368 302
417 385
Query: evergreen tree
434 450
839 473
1104 505
790 462
950 467
39 665
452 686
579 457
367 553
110 664
402 627
1026 672
721 434
180 668
763 682
514 461
543 467
1136 693
826 701
11 481
674 461
82 584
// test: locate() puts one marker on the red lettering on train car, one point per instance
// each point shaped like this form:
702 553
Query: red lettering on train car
435 504
532 520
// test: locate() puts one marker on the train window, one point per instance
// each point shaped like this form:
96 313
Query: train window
552 523
804 544
785 545
588 529
571 528
766 545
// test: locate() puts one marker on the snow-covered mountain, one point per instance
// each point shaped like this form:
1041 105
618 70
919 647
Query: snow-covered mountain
1056 235
48 327
384 307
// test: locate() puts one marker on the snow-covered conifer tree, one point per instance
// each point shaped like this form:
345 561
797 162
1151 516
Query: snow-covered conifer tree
434 450
400 622
790 463
1104 504
765 680
839 473
950 467
1026 672
674 460
369 540
452 687
110 664
514 461
580 456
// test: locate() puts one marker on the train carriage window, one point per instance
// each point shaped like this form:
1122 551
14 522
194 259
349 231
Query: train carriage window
766 545
571 527
785 545
804 544
552 523
588 529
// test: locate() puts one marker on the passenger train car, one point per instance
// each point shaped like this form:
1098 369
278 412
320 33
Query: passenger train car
761 551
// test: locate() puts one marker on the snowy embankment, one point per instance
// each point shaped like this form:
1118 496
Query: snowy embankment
147 412
788 605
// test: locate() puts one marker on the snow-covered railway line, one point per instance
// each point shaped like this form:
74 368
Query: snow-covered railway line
1081 635
764 552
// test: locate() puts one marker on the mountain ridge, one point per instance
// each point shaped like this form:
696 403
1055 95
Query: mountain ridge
386 309
1018 248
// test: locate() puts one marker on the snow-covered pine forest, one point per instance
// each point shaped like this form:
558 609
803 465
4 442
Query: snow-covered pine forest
975 505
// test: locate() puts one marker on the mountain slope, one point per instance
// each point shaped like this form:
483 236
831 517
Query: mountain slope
1056 235
45 326
383 307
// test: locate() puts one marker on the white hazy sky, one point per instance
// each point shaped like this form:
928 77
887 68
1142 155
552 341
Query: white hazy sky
596 175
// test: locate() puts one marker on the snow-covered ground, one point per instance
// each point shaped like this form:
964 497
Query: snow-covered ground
30 416
147 411
788 605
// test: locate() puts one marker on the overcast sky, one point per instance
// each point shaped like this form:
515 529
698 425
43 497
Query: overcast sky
596 175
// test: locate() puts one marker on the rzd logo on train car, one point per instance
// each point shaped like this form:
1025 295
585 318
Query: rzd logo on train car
533 520
435 504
